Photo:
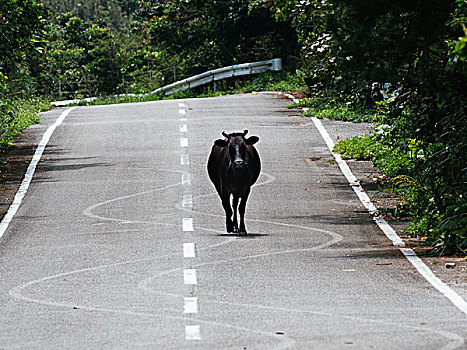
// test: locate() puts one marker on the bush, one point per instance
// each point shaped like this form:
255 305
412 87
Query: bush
16 116
332 106
274 81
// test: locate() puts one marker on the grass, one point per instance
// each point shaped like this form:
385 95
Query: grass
340 113
333 106
17 115
357 147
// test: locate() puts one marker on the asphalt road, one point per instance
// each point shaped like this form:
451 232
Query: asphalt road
120 243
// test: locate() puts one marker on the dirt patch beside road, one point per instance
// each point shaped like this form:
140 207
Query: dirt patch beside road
15 159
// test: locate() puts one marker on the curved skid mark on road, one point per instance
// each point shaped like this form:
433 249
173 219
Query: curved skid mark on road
336 238
89 210
285 342
17 293
269 178
455 340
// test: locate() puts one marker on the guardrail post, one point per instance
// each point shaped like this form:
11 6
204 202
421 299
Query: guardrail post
277 64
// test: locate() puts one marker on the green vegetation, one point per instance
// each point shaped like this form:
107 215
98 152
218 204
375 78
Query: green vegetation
20 30
340 112
400 65
15 116
272 81
358 147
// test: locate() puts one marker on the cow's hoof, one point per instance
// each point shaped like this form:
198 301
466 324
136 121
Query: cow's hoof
242 233
235 230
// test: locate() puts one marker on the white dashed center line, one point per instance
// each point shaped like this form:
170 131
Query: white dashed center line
189 276
189 250
186 179
191 305
183 142
192 333
187 224
185 159
187 201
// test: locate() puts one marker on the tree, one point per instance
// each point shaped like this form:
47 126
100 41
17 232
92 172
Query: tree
210 34
115 14
20 33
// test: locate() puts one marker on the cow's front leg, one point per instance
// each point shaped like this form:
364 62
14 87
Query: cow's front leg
228 213
241 209
234 207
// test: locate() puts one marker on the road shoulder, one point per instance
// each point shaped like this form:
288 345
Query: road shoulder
451 270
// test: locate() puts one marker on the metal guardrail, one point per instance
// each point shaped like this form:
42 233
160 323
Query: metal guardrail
201 79
219 74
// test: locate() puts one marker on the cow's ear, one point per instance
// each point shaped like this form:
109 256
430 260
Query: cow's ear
252 140
221 143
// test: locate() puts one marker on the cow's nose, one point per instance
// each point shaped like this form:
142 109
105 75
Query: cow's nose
238 163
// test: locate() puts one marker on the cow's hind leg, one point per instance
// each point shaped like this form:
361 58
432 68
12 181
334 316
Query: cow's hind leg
234 207
228 213
241 210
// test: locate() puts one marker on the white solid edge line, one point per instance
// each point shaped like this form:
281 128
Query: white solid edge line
425 271
30 172
409 253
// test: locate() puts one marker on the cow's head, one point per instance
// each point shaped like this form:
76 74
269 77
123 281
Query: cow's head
237 142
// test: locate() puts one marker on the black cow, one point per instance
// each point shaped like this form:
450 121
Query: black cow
234 166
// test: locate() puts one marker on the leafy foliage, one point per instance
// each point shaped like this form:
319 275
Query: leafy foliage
20 42
19 34
400 64
115 14
203 35
274 81
15 116
339 110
